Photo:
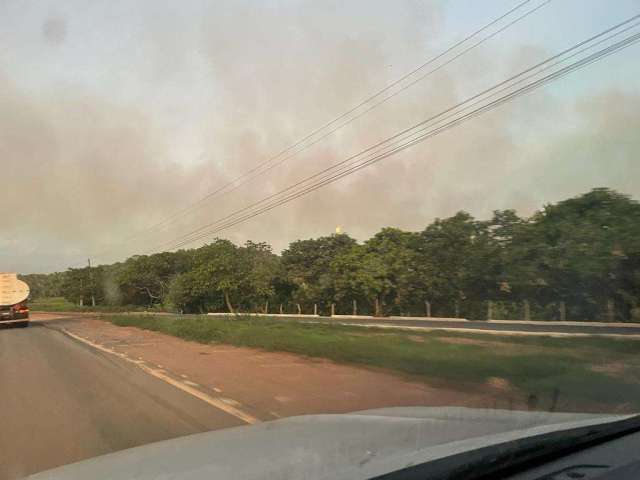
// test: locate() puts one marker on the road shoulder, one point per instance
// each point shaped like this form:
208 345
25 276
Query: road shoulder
256 385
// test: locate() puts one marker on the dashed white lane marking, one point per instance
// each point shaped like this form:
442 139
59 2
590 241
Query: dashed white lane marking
217 390
221 404
188 382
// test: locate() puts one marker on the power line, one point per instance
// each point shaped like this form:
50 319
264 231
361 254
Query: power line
342 174
452 109
553 76
375 105
257 169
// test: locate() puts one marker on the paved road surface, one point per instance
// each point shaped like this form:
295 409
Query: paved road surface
61 401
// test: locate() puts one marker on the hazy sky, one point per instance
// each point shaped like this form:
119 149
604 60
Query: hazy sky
116 114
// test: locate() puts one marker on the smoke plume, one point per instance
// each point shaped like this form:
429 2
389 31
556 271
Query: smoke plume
115 116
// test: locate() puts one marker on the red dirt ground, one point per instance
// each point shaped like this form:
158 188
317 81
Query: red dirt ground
267 385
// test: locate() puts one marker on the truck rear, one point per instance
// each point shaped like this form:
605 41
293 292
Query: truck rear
14 294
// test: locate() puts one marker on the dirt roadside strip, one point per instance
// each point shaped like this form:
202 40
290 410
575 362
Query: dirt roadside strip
255 385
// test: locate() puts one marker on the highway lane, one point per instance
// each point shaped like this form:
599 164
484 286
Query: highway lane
62 401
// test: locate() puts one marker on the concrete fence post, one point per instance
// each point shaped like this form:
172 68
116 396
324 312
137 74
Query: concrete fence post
611 315
427 307
333 309
527 310
315 308
281 311
378 310
563 312
355 307
299 308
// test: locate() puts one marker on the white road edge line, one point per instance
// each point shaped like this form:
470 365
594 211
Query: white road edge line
214 402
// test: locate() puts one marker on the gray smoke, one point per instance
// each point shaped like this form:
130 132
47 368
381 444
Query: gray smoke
185 103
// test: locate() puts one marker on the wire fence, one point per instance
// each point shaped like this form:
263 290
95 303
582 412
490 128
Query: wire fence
525 310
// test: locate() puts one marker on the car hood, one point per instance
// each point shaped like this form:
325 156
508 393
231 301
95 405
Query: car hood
355 445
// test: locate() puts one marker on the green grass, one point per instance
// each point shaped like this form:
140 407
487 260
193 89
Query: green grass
60 304
533 365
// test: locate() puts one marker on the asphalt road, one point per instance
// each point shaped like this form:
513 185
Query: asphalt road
538 327
62 401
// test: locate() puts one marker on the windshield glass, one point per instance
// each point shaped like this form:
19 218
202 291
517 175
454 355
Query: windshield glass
230 214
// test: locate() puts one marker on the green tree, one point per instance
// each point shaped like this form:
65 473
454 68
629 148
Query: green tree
361 275
45 285
220 269
262 271
582 251
461 264
81 284
398 252
144 279
308 267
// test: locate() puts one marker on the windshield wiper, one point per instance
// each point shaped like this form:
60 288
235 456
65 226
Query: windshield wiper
505 458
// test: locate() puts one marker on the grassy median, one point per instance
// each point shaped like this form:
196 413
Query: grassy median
583 373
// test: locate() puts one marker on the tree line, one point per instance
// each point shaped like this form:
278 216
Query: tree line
577 259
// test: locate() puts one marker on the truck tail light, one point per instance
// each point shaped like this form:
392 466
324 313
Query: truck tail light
20 308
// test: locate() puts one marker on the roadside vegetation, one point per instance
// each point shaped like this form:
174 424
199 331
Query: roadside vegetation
564 373
61 304
578 259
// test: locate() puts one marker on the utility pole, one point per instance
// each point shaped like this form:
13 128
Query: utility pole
93 298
